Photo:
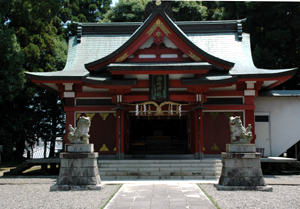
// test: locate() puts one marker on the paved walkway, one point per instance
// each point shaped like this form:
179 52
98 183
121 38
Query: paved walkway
169 195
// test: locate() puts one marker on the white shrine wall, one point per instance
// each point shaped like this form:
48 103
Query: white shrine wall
284 121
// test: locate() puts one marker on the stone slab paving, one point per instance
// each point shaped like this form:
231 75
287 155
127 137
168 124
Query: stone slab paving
164 195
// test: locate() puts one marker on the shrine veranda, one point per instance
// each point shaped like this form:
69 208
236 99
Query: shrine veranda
160 87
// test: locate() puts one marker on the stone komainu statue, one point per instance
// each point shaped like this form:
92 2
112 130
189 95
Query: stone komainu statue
239 134
80 135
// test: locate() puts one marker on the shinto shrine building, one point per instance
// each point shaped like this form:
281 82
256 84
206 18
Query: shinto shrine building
160 87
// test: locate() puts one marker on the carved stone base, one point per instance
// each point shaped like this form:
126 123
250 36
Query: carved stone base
87 148
242 171
249 188
243 148
76 188
78 171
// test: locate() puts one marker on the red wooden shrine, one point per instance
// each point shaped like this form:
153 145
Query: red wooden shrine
143 84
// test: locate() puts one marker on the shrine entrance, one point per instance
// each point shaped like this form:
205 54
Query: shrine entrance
158 135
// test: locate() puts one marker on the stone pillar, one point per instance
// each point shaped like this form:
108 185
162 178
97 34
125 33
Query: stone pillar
78 169
241 169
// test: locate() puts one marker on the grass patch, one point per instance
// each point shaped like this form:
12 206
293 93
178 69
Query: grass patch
112 196
209 197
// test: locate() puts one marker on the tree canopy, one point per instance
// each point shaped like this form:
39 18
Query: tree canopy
126 11
31 42
274 31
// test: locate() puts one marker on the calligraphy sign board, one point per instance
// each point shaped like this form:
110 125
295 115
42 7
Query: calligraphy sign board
158 87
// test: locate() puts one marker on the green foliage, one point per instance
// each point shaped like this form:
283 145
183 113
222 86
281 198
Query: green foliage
133 11
234 10
32 39
126 11
73 11
11 68
189 10
274 28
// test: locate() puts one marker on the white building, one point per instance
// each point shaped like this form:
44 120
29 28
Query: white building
277 122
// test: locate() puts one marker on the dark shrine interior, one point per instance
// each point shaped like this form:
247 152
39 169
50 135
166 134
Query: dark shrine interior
164 135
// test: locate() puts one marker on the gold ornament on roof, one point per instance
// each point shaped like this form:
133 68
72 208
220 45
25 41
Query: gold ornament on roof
158 24
194 57
158 2
123 57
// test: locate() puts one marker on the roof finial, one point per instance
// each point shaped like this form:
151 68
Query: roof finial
158 5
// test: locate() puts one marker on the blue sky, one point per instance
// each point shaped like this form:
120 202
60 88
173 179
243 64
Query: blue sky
114 2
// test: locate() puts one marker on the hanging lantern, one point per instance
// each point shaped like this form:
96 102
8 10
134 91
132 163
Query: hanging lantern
177 112
149 110
141 110
136 110
169 110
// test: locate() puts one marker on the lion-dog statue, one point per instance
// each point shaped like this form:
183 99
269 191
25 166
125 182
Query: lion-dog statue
80 135
239 134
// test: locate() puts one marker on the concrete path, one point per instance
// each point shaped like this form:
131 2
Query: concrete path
164 195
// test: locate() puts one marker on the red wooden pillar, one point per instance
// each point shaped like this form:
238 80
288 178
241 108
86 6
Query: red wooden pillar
196 133
249 119
249 116
70 118
117 132
122 133
201 132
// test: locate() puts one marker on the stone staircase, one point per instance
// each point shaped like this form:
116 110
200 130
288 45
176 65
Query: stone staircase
159 169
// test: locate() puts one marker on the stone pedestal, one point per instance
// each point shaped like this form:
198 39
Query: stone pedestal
78 171
240 148
81 148
241 169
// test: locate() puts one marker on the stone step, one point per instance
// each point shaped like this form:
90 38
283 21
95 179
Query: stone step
159 169
107 178
204 173
159 161
154 169
140 165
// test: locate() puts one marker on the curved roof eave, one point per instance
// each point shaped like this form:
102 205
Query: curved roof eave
57 75
266 73
210 78
139 32
125 82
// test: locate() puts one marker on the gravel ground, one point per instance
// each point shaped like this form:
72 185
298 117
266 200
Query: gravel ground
282 196
35 193
26 192
278 178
